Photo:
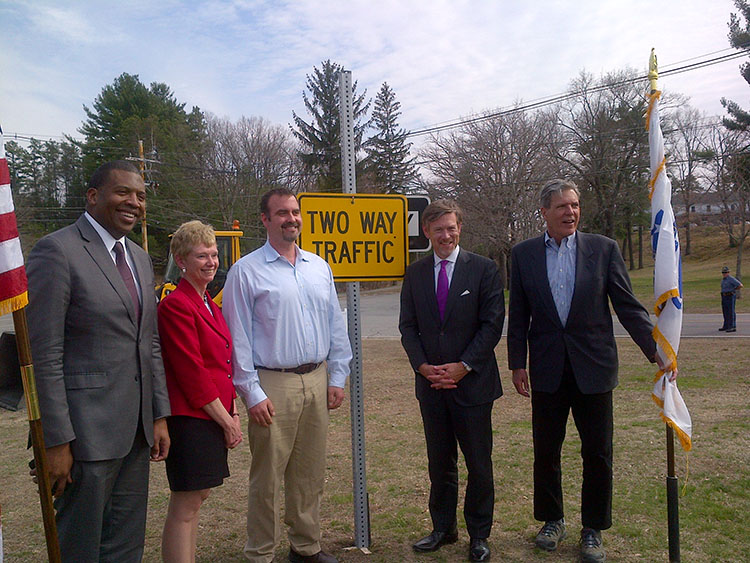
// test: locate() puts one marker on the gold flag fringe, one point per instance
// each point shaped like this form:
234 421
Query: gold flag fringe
14 303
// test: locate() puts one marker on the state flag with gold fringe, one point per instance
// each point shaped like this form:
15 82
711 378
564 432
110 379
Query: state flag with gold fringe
665 244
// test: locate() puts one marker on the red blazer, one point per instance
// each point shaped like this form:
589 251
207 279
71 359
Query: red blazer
197 352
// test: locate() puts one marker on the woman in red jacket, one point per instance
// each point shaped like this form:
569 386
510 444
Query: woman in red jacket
197 352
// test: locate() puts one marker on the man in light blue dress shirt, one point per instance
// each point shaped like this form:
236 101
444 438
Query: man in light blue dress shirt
562 286
291 360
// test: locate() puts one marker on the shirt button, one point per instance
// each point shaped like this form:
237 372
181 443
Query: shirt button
228 361
229 375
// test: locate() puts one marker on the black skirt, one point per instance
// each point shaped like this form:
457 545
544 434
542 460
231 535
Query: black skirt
197 455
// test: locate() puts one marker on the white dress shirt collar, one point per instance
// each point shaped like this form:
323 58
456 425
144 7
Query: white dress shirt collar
108 240
452 257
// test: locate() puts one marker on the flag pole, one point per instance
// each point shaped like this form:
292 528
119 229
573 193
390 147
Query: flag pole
14 298
673 509
37 435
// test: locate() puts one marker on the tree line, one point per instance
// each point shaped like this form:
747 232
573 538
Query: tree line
198 165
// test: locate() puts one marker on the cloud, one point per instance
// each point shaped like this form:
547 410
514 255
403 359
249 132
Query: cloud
443 58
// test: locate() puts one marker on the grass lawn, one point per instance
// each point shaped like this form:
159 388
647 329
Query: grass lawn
715 384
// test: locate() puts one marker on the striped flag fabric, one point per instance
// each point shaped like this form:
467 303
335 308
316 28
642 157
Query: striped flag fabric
13 284
665 244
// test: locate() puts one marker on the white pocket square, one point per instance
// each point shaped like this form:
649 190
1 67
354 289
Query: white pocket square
466 292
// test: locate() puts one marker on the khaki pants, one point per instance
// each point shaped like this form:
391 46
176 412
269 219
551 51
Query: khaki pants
293 447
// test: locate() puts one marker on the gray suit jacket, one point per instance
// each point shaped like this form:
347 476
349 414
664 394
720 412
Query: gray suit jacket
587 337
98 371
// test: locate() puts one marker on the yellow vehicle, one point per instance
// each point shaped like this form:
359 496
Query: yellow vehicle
228 245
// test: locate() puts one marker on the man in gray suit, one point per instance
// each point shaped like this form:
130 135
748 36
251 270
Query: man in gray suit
562 284
99 374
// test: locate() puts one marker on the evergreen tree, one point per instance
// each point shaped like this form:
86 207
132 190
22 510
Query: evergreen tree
320 137
127 111
387 150
739 37
739 121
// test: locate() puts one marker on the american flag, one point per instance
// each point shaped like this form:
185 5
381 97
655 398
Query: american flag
13 284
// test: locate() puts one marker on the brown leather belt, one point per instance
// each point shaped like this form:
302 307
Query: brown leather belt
727 293
299 370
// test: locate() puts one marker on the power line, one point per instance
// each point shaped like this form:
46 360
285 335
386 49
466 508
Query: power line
549 100
533 104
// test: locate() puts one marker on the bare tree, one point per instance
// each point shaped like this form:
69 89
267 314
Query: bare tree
605 145
727 158
239 161
493 168
686 141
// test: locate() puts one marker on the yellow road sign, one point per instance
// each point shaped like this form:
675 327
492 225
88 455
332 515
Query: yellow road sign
363 237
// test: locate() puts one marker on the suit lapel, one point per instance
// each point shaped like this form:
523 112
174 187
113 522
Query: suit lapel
426 275
94 246
538 257
215 321
584 262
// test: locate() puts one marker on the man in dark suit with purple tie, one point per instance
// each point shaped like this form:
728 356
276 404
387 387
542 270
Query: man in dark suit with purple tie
452 313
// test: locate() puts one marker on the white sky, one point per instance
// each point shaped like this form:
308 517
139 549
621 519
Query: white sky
444 58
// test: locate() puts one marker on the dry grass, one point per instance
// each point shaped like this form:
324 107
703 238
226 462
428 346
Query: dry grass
701 272
715 385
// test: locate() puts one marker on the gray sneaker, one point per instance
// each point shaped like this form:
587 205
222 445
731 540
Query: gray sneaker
552 533
592 550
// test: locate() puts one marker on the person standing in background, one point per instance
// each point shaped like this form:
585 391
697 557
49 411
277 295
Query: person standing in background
729 287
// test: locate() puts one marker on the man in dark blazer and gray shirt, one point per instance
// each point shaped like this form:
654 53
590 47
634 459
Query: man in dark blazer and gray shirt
562 284
99 374
452 313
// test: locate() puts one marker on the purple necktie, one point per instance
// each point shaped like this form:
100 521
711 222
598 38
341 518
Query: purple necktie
442 288
127 277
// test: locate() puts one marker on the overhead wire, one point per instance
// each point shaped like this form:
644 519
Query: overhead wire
538 103
556 98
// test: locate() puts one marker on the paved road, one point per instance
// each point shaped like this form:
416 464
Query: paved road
379 318
379 314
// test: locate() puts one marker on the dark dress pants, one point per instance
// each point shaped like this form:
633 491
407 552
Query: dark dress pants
101 515
727 308
593 418
447 425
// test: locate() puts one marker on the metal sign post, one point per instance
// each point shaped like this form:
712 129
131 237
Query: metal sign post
348 161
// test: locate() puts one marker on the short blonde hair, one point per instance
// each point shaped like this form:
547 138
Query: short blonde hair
190 235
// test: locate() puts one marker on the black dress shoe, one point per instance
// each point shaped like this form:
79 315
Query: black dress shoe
479 550
320 557
435 540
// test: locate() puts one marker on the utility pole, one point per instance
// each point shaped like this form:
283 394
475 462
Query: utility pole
142 161
144 225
